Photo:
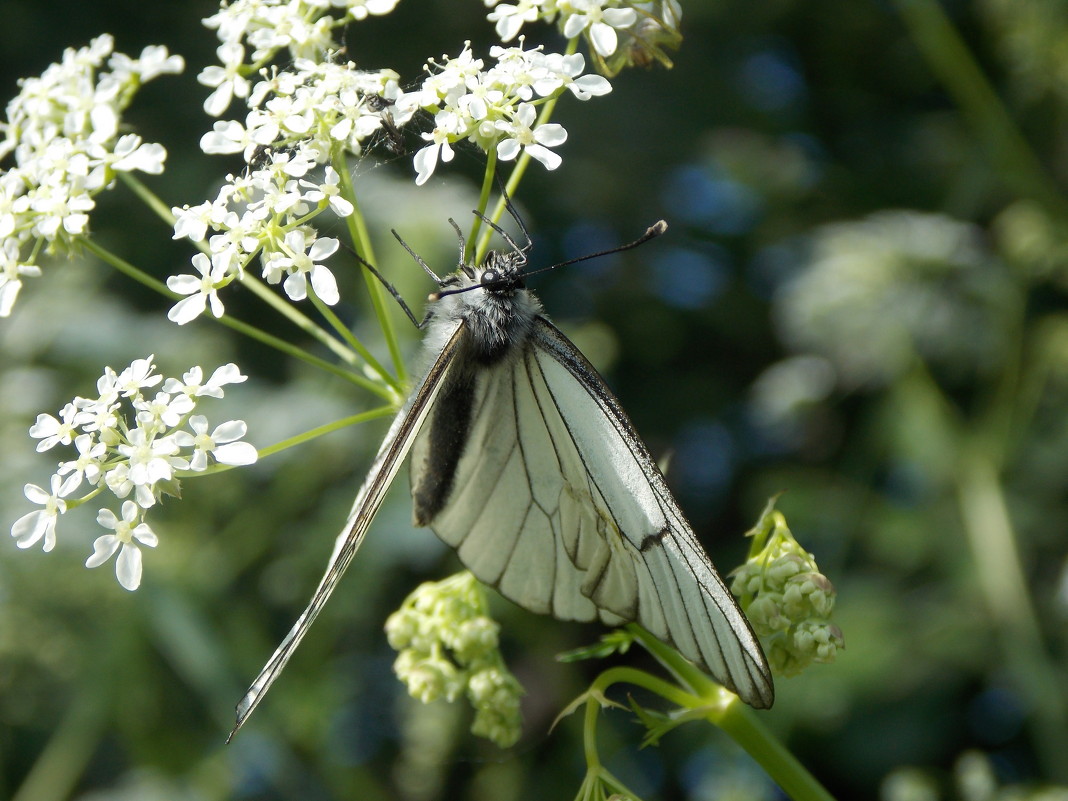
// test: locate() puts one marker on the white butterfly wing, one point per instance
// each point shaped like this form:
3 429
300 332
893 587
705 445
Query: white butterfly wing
557 504
390 456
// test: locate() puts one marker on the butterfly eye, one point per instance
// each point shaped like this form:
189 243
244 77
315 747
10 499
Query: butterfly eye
491 277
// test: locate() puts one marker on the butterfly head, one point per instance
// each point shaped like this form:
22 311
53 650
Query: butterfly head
501 273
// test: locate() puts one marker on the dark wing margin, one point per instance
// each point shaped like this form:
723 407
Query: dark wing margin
383 470
661 579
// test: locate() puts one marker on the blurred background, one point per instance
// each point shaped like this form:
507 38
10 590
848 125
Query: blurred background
860 302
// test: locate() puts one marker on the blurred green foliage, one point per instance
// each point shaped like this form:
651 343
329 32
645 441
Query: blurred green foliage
860 301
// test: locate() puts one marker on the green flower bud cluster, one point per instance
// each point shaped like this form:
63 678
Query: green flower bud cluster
787 600
447 647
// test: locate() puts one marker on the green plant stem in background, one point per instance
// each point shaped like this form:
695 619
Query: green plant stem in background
1003 583
63 761
952 63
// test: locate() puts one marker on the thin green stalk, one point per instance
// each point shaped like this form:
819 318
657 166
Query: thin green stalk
150 198
250 331
520 167
1004 586
353 340
745 728
328 428
297 317
361 241
484 195
953 64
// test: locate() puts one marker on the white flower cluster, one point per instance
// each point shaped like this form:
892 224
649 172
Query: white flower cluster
298 119
447 644
303 27
62 130
130 441
495 107
641 24
788 601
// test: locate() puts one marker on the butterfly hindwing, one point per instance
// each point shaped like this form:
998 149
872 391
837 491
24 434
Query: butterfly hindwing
557 504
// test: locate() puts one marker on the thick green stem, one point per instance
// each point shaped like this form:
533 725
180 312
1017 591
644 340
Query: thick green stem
724 709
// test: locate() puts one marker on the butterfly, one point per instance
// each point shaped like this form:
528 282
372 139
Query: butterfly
523 461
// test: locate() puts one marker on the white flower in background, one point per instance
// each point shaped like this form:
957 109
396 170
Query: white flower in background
151 459
620 33
496 107
127 441
87 466
201 292
136 377
597 20
298 263
520 136
193 383
11 272
297 118
228 81
221 444
56 431
62 130
302 27
163 411
40 524
129 533
509 18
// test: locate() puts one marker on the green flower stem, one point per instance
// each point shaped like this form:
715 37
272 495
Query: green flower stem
520 165
328 428
353 341
286 309
597 776
746 729
361 240
953 64
298 439
250 331
1003 583
150 198
484 196
724 709
299 319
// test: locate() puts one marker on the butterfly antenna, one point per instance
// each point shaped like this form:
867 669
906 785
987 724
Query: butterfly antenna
653 231
389 287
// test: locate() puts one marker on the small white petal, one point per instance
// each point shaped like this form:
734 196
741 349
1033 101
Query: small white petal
236 453
325 285
128 567
188 309
103 549
545 156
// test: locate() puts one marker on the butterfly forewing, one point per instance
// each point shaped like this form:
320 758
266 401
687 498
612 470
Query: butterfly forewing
390 456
